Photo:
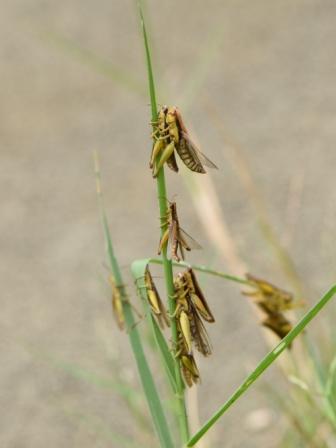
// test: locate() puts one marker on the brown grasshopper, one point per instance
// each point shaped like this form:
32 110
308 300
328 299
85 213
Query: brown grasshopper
171 134
117 304
161 141
177 237
155 301
197 296
278 324
192 328
270 298
188 364
189 369
273 301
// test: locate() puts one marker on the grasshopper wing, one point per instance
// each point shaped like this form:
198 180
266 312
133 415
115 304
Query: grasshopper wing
191 156
171 162
174 241
187 241
189 369
180 121
198 298
199 334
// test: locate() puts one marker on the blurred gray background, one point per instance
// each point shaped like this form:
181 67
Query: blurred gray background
256 84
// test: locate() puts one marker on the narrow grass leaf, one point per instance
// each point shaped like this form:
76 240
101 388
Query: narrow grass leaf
201 268
89 58
329 405
151 84
331 381
264 364
153 399
330 392
138 270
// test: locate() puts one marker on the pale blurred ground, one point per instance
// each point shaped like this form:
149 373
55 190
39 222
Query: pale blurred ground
269 68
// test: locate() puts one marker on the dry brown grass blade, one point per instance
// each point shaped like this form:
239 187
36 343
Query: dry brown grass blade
236 157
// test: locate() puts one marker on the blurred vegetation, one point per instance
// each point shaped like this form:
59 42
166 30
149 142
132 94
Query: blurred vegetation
309 405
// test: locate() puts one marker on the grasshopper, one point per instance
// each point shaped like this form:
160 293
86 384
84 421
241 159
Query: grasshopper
155 301
192 330
177 237
199 334
189 369
117 304
273 301
197 296
187 361
161 141
270 298
172 131
278 324
184 327
182 314
188 364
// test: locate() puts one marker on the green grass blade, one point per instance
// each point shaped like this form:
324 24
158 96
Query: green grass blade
167 265
151 84
166 355
153 399
99 64
330 392
200 268
264 364
331 380
138 270
322 377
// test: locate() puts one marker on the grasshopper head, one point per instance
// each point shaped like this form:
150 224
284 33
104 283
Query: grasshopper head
171 114
162 113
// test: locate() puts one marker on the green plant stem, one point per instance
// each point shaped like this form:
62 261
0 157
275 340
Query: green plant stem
264 364
167 264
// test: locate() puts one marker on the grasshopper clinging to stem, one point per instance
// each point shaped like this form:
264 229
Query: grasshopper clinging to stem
171 135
